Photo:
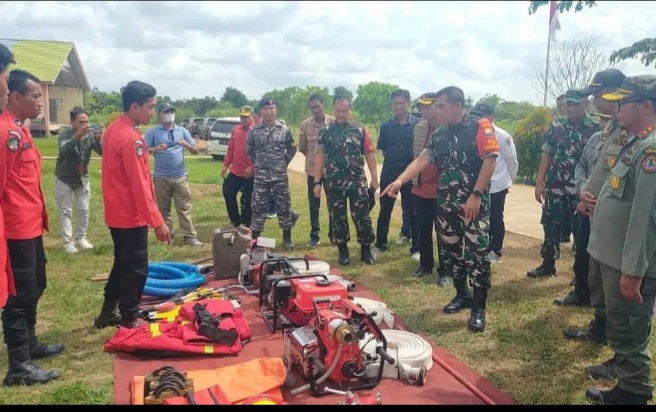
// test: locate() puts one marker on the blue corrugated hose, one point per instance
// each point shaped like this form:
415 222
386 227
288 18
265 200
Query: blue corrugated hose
165 279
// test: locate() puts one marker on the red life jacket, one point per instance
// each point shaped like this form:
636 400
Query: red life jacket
209 326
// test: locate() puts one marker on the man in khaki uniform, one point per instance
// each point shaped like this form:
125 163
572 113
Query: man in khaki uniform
623 246
307 142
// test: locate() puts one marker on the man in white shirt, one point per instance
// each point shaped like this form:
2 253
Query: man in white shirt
504 174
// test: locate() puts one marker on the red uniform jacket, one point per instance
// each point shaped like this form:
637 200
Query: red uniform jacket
186 333
24 214
126 184
236 158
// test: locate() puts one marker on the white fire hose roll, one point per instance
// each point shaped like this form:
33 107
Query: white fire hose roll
408 349
383 314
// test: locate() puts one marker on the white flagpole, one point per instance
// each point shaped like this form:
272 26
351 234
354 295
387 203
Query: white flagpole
546 77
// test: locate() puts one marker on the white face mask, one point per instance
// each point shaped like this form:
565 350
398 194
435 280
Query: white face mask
169 117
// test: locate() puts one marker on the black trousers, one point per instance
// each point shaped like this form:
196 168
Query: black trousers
497 225
426 218
232 185
130 270
582 259
386 208
28 262
315 205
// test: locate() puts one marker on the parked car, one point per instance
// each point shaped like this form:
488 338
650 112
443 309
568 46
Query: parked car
206 128
217 146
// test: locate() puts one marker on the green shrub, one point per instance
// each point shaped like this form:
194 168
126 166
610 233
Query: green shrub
529 138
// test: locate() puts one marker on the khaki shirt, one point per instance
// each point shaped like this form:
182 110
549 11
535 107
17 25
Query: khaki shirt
623 232
605 153
307 142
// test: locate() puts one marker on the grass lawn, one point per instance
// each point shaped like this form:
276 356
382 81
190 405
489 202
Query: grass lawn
522 351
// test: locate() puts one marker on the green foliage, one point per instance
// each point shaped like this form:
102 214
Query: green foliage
507 114
645 49
343 91
292 102
234 96
562 5
373 102
529 138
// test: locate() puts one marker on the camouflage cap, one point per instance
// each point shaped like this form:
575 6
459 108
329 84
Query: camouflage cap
574 96
636 86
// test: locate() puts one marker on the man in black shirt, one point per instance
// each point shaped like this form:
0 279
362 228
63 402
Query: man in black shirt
395 140
72 177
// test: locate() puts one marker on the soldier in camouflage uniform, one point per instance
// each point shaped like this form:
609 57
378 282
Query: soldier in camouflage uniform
341 149
555 183
464 149
271 147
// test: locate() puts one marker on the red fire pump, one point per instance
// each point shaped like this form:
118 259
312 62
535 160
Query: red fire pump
330 344
258 264
288 299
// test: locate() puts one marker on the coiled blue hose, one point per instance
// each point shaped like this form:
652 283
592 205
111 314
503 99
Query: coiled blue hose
165 279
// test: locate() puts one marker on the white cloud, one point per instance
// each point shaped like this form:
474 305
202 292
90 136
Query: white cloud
195 49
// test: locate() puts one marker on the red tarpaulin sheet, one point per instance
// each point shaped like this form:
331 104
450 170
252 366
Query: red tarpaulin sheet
449 380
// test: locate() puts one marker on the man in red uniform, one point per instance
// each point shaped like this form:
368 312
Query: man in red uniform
130 206
6 278
241 171
25 217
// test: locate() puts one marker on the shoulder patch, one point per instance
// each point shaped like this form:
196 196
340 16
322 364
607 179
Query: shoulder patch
137 142
488 131
649 164
650 151
14 140
139 150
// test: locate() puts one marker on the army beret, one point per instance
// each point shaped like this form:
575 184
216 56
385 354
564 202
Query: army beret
267 101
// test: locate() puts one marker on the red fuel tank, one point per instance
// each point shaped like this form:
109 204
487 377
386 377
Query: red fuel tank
308 289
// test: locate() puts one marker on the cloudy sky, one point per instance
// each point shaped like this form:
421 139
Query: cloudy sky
193 49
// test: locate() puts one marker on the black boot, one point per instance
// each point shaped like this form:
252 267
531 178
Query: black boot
547 268
365 255
422 271
463 298
40 350
595 332
109 315
606 370
23 372
615 396
255 234
287 239
344 258
477 319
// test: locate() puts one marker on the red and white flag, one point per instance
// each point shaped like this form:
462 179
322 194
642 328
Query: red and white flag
554 23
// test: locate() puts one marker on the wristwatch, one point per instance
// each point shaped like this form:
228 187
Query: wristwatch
317 183
477 194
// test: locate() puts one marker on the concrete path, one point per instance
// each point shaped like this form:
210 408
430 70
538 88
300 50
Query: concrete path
522 212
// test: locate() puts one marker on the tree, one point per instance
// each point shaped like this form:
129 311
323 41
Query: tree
529 138
373 102
234 96
343 91
573 65
644 49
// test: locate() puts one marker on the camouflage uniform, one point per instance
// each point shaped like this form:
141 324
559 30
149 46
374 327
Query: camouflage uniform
565 143
345 178
271 149
463 248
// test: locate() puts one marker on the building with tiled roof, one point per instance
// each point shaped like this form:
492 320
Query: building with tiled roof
62 76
